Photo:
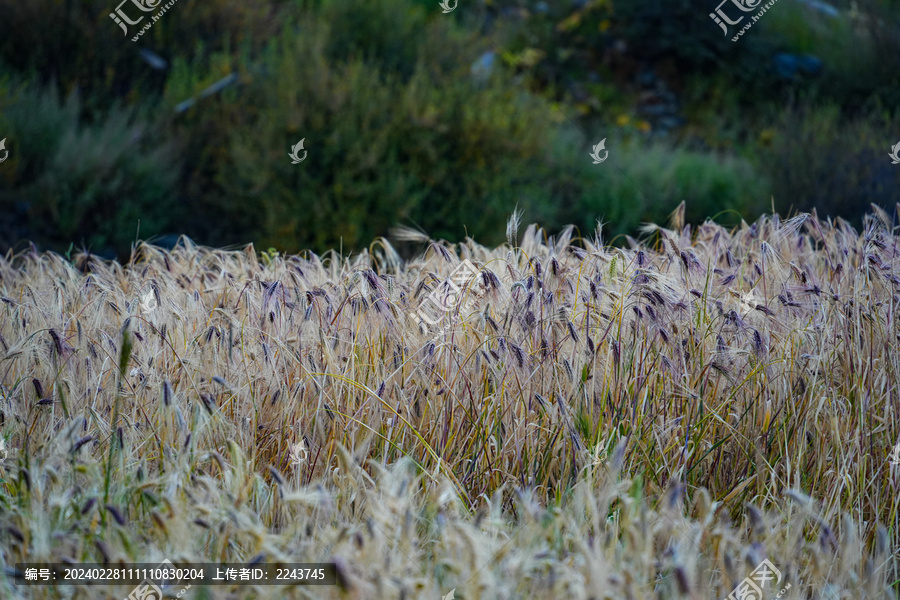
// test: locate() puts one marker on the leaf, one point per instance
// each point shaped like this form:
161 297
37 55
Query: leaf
125 354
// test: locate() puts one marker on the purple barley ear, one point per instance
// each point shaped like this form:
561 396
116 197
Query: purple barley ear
758 347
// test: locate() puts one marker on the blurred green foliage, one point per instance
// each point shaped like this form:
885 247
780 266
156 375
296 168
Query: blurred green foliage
860 52
844 161
78 181
398 130
76 45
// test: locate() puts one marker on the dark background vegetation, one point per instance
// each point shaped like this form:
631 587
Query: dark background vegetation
446 122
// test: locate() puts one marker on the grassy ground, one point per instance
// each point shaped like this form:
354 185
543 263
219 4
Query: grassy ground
591 423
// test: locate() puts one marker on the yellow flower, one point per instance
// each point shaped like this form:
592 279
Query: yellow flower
622 120
644 126
604 25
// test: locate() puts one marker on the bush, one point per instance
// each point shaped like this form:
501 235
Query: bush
431 148
819 160
388 35
639 184
67 181
396 129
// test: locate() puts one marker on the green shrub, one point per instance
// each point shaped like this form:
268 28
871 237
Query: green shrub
639 184
839 166
430 148
388 34
395 127
69 181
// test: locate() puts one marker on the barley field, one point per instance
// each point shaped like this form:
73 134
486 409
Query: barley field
586 422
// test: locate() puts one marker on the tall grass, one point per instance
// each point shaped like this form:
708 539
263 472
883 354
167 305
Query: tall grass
599 423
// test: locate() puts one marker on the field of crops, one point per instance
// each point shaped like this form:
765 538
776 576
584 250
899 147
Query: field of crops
584 422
